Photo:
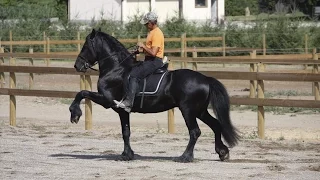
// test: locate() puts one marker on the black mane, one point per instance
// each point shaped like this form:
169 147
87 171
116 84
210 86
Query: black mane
116 47
114 52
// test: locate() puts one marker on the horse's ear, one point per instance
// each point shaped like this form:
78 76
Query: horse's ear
99 30
93 33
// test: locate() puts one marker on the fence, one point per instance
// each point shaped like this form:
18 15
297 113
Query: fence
47 44
252 76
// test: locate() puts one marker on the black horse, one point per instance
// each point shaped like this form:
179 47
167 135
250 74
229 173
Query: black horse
188 90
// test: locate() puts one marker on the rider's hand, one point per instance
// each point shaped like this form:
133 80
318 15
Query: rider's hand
140 44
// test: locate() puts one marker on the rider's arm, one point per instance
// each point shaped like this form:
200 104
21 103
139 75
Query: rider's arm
149 51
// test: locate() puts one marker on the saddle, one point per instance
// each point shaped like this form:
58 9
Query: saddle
149 86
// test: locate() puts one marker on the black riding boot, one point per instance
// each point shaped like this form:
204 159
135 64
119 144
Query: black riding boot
127 103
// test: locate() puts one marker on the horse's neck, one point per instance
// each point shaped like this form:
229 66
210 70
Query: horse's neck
114 62
112 70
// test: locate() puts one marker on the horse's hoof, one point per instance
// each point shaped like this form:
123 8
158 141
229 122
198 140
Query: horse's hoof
223 155
76 113
124 158
183 159
75 119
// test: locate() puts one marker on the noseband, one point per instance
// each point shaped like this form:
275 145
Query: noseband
87 65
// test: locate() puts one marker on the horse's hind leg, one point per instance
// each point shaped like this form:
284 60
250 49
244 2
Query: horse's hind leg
194 132
214 124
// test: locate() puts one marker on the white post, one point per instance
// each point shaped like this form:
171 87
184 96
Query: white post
152 5
221 11
124 10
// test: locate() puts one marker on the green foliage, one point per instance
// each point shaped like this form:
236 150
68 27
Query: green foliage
237 8
30 23
305 6
285 33
176 27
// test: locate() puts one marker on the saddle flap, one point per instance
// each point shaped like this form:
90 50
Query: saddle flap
150 85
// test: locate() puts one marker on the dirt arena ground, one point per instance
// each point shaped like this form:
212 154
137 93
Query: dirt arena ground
45 145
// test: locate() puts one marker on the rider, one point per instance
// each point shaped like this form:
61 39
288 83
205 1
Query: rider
153 50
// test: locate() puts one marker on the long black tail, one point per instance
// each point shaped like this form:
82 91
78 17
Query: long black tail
219 99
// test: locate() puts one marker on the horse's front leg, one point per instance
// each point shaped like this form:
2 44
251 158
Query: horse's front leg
127 153
75 105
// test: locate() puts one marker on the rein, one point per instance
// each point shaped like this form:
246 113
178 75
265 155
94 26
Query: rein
89 66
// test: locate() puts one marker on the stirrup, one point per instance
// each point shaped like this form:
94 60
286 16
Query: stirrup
119 104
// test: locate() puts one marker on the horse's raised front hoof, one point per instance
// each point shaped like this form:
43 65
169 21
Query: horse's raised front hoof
76 113
126 157
183 159
74 119
223 154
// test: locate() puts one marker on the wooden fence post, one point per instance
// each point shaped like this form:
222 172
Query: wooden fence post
306 48
185 46
316 84
138 38
44 46
2 77
79 44
194 55
314 51
182 52
31 78
10 39
224 44
82 77
224 47
88 104
12 84
171 128
306 43
48 51
264 45
261 120
13 104
253 86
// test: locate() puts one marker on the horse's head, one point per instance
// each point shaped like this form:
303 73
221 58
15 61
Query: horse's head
88 55
105 49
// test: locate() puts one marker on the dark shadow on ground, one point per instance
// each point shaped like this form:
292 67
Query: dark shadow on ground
115 157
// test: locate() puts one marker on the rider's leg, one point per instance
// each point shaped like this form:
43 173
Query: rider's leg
132 90
139 72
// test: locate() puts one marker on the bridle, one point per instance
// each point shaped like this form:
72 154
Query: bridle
87 65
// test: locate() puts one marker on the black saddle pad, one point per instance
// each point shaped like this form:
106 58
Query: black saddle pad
151 83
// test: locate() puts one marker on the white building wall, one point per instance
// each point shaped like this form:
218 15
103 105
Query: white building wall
126 9
87 10
190 12
135 7
166 9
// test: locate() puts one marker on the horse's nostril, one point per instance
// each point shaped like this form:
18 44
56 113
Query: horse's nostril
75 66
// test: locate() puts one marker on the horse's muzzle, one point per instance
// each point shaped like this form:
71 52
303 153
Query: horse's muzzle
80 68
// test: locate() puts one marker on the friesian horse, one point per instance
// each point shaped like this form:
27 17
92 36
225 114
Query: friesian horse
188 90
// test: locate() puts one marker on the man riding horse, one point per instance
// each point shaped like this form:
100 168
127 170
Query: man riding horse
153 50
